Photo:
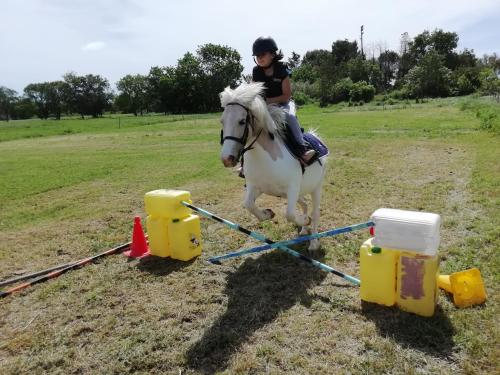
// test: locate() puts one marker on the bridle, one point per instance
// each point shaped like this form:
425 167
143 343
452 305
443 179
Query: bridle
249 121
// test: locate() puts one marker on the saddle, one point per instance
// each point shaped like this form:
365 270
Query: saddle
312 142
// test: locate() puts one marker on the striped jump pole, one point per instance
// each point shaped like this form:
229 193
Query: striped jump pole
64 269
273 245
262 238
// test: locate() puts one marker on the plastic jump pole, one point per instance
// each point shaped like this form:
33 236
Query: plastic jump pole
262 238
328 233
47 275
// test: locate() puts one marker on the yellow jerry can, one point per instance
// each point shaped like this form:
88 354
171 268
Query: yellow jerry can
184 237
378 274
167 203
157 228
417 283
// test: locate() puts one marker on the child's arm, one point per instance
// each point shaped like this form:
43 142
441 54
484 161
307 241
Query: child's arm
286 87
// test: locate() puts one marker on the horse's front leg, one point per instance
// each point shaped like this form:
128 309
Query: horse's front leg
291 214
251 194
316 199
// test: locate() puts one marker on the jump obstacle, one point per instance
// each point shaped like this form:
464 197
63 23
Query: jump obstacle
407 278
283 244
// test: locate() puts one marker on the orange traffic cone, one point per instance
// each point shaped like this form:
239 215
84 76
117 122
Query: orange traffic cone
139 246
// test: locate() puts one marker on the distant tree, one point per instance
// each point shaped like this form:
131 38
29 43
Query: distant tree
294 61
220 67
134 93
87 95
305 73
388 62
317 57
465 80
189 84
23 108
344 50
429 78
361 91
39 94
466 59
8 98
439 41
162 88
490 83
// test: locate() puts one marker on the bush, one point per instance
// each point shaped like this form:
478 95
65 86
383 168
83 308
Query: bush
400 94
301 98
340 91
362 91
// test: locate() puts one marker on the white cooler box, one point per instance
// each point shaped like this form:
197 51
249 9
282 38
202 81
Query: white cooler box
407 230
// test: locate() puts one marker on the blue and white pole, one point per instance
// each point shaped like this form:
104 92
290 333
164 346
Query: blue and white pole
280 246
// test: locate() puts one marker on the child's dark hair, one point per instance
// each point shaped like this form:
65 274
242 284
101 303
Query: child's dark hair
278 55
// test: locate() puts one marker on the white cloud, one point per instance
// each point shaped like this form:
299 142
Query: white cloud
94 46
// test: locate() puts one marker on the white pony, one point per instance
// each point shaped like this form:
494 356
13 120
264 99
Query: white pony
252 128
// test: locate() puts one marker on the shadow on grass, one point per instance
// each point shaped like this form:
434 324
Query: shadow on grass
433 335
162 266
257 292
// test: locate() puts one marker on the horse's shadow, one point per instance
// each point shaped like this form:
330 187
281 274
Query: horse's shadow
433 335
257 292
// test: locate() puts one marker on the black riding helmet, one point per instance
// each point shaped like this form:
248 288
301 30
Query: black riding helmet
264 44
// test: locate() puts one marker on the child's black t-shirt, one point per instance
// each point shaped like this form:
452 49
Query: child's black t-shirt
272 83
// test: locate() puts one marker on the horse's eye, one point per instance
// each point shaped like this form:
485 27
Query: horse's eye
242 122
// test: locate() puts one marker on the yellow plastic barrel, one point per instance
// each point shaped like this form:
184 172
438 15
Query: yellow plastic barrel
172 230
417 283
378 274
185 238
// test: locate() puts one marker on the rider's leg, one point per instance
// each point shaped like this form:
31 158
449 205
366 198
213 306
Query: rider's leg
296 133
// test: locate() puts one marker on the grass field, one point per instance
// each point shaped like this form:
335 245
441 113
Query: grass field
71 188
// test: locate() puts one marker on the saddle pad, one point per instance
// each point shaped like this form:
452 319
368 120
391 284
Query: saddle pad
316 145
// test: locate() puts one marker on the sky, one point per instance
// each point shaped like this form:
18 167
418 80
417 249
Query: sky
40 40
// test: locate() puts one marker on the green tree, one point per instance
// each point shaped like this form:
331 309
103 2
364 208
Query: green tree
490 83
361 91
221 67
8 98
24 108
134 93
294 61
344 50
429 78
87 95
388 62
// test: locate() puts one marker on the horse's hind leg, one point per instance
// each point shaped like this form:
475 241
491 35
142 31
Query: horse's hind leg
291 215
251 194
316 199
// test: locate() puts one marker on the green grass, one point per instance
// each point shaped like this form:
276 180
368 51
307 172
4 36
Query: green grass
70 188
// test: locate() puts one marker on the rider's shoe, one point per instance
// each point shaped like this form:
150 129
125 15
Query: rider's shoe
308 155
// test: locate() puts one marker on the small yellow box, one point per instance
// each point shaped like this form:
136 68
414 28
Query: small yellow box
167 203
184 237
378 274
417 283
158 236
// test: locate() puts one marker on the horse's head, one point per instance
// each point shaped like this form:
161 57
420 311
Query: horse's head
243 108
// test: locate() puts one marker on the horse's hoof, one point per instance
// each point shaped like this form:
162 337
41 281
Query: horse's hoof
304 231
314 245
270 213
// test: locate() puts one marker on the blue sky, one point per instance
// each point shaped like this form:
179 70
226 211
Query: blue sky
40 40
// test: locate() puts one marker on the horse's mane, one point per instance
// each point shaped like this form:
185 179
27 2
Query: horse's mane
270 118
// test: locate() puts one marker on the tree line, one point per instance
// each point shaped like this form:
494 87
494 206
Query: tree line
428 65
